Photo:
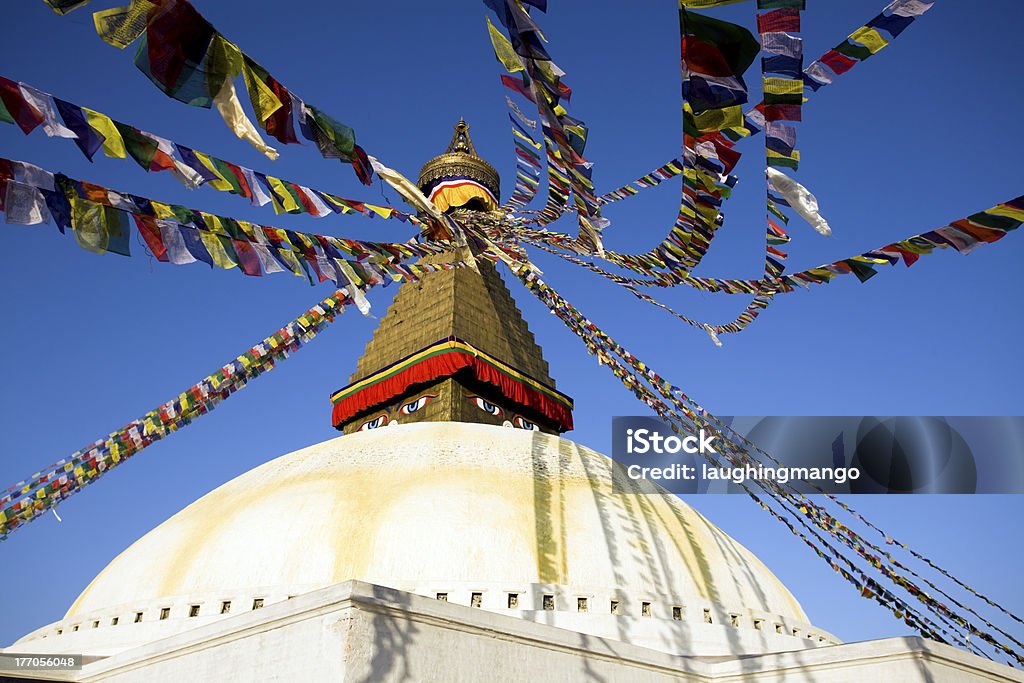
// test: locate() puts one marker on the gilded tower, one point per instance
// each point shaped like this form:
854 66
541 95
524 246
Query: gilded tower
453 346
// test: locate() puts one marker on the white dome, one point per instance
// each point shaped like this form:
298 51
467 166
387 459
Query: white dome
472 511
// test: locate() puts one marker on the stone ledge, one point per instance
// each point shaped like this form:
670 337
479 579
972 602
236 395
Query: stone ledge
359 631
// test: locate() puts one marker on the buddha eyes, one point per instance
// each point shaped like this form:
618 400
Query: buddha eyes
486 406
492 409
378 421
524 424
413 406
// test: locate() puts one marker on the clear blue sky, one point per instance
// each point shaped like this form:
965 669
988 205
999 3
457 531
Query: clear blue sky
924 133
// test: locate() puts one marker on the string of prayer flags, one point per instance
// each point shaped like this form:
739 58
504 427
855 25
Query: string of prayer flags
747 316
710 52
715 55
864 548
894 19
184 56
565 137
866 41
32 497
781 144
528 164
101 220
92 131
889 540
190 61
559 185
699 216
778 22
963 235
781 149
823 518
764 292
659 175
686 416
199 67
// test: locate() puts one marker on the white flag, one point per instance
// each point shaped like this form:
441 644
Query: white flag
25 205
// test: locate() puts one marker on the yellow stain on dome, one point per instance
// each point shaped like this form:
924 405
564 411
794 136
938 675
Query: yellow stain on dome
421 504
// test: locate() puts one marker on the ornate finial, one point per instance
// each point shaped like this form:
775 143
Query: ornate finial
447 179
460 140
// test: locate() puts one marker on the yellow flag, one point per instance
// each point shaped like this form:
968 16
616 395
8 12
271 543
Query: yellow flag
162 210
113 143
869 38
382 211
345 208
795 156
1008 211
292 261
216 249
251 231
287 255
707 179
742 131
582 179
219 184
673 248
122 26
223 57
717 119
88 220
289 204
226 58
526 139
503 49
868 259
553 172
783 86
264 101
213 223
708 213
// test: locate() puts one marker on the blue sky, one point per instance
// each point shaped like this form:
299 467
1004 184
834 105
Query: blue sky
920 135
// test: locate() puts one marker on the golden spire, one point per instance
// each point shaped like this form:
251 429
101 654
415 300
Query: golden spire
458 164
461 141
453 346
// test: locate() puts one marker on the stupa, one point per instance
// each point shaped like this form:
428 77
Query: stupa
452 534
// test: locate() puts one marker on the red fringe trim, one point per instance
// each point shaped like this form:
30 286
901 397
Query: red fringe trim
446 365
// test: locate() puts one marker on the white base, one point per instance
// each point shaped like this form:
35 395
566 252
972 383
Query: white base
355 631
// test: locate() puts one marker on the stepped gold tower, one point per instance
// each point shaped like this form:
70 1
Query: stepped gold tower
453 346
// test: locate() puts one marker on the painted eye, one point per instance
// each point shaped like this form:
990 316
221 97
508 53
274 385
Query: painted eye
413 406
524 424
486 406
378 421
